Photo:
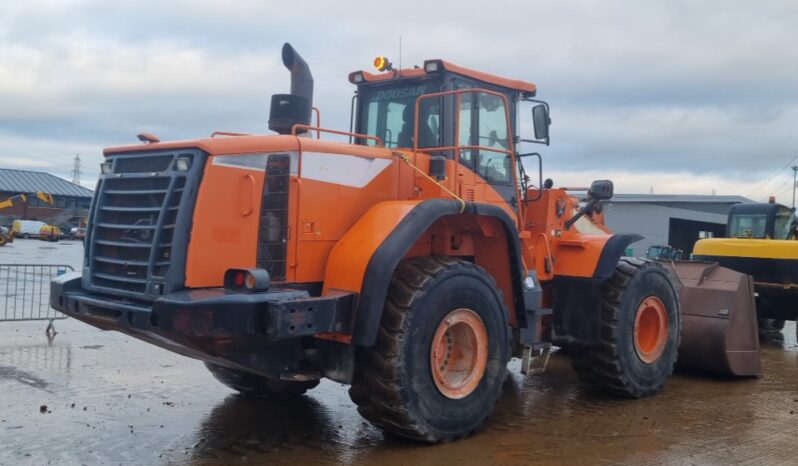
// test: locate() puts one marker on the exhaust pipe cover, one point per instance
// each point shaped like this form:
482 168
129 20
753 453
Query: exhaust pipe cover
296 108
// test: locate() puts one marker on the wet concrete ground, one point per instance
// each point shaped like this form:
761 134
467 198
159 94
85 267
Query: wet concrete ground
109 399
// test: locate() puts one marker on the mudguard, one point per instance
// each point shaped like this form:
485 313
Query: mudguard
365 258
577 299
612 252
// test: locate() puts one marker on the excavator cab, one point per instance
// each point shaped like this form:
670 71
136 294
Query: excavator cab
762 221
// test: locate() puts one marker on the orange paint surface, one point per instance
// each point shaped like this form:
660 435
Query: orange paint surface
224 236
350 256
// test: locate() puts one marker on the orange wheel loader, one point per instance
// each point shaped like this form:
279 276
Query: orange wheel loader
412 261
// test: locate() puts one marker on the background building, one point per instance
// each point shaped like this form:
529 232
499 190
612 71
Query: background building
669 219
71 204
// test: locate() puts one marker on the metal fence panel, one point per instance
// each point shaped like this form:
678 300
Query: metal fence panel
25 291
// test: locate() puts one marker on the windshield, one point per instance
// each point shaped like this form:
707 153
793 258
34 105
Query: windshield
755 225
748 226
388 112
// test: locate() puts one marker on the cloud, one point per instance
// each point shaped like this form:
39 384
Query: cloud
634 182
682 94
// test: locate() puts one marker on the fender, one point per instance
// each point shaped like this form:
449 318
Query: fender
577 299
612 252
366 257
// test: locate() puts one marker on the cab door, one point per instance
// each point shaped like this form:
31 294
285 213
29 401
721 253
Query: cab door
483 128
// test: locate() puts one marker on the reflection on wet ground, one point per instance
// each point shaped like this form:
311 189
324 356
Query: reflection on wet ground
109 399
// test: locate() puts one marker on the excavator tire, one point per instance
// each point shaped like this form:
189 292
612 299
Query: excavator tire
640 332
252 385
441 355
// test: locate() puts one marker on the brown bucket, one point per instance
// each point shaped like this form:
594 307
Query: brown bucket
719 326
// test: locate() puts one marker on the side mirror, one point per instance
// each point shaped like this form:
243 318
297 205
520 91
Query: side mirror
540 117
601 190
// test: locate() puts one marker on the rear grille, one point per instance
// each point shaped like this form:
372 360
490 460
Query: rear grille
140 224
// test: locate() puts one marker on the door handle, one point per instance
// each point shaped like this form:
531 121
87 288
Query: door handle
246 191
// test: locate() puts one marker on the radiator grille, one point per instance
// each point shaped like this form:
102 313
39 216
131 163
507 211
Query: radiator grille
137 224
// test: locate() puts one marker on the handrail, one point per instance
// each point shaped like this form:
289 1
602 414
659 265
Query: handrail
318 121
335 131
227 133
548 252
459 147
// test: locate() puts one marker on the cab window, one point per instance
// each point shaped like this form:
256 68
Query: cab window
483 123
748 226
388 112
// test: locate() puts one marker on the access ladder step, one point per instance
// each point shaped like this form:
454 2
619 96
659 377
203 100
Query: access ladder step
535 358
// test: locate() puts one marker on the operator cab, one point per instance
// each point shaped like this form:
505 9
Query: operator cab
762 221
479 128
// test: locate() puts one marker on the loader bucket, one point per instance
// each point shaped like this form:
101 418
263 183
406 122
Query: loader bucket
719 326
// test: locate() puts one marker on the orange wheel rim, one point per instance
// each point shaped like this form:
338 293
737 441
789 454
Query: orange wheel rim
651 329
459 353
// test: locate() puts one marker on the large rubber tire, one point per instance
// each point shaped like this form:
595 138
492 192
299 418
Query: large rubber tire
256 386
617 365
394 386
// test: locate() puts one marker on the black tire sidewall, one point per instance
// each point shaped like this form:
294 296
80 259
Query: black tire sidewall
443 295
650 281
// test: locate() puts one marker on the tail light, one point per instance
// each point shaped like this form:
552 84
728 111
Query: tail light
247 279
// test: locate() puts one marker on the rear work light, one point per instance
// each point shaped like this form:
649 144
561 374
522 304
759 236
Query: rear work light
182 164
247 279
106 168
432 66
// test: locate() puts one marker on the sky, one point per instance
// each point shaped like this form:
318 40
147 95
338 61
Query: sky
670 97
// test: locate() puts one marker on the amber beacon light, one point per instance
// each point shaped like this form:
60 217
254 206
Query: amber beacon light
382 64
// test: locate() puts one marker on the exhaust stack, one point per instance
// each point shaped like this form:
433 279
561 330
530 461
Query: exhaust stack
288 110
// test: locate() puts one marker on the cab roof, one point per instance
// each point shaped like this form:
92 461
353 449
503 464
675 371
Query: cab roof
514 84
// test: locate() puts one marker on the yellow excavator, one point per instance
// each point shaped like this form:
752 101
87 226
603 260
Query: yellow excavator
761 241
6 234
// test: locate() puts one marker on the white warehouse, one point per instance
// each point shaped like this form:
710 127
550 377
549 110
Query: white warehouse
669 219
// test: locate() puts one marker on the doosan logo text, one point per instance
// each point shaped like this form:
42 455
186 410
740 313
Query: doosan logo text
399 93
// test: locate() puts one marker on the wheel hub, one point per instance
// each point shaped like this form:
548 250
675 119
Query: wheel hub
651 329
459 353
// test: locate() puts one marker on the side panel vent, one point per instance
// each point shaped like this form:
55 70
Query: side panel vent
468 194
273 230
